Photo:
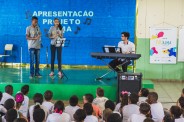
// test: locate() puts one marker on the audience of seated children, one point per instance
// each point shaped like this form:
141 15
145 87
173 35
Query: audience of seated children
123 102
48 101
131 108
79 115
100 99
176 113
157 110
72 107
25 104
143 95
88 98
144 113
38 100
38 114
7 94
59 115
89 113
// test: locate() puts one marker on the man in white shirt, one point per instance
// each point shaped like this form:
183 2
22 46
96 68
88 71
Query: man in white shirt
157 110
127 47
73 107
8 94
89 111
131 108
48 101
144 112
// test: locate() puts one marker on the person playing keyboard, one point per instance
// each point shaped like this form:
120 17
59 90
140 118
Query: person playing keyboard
127 47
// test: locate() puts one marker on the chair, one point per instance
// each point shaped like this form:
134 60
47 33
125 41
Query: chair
7 48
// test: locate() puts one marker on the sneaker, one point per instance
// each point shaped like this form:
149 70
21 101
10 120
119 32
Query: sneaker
60 74
31 76
38 75
51 74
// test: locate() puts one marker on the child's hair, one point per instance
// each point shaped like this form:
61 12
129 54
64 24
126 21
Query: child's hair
114 117
153 97
19 98
134 98
59 107
79 115
73 100
110 104
175 111
148 119
145 109
60 26
88 108
38 114
34 17
25 89
9 89
11 115
183 91
48 95
168 118
144 92
9 104
38 98
106 114
89 97
124 101
20 120
181 102
100 92
1 95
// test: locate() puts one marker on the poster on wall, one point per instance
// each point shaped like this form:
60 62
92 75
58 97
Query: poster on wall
163 43
180 45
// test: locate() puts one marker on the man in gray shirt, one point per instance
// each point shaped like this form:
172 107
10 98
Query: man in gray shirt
33 36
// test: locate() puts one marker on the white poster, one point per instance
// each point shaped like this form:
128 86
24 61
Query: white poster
163 43
181 45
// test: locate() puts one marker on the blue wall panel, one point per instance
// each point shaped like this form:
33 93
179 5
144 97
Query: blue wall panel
110 18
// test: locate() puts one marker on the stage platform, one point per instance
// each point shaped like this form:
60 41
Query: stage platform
79 82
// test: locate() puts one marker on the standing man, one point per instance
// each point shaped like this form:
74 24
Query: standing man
127 47
33 36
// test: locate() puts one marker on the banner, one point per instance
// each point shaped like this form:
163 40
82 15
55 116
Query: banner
180 45
163 45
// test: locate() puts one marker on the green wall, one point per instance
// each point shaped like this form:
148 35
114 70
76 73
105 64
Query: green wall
156 71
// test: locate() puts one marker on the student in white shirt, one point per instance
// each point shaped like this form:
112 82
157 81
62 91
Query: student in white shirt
127 47
89 111
157 110
110 104
79 115
143 95
59 115
38 114
176 113
8 94
25 104
38 100
144 112
123 101
131 108
100 99
181 104
2 108
48 95
73 107
11 115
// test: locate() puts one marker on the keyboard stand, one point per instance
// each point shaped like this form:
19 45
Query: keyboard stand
109 71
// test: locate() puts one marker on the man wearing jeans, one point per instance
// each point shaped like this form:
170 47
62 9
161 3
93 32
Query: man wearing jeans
33 36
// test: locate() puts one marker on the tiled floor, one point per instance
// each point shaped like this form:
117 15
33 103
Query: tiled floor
168 91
